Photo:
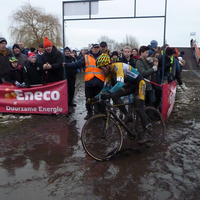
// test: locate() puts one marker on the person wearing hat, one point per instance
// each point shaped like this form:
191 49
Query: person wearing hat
5 55
40 52
94 78
52 60
128 81
15 73
70 76
104 48
114 57
152 47
33 71
22 58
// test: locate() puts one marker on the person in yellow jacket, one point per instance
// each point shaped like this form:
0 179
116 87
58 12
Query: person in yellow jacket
94 78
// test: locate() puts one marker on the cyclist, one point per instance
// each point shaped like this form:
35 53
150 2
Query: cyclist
128 81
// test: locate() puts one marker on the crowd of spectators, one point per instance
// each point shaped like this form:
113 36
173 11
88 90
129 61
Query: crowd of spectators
28 67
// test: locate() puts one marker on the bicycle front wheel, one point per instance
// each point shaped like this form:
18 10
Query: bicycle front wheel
158 129
100 140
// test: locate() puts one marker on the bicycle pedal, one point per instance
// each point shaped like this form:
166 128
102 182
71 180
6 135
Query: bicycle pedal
131 137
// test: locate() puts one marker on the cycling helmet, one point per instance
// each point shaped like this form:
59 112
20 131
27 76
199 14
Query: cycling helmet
13 59
103 60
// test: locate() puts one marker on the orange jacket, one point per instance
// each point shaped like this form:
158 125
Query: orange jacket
91 70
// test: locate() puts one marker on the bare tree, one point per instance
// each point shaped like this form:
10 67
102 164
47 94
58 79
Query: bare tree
31 24
129 41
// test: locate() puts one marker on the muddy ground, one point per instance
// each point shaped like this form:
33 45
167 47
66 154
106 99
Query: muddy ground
41 156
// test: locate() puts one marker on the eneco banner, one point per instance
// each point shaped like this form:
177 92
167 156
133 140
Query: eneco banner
45 99
168 99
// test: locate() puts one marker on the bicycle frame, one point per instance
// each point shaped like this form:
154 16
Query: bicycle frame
110 112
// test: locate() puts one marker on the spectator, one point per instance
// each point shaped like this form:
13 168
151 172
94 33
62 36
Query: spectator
94 78
23 49
22 58
5 55
32 50
15 74
104 48
128 58
52 60
167 64
33 71
119 53
115 58
70 76
40 52
146 69
155 54
152 47
135 53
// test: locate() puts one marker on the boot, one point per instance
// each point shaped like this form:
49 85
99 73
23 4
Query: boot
143 139
89 114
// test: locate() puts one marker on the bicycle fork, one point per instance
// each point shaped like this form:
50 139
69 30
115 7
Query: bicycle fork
105 126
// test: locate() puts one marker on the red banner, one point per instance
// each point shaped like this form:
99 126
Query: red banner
168 99
45 99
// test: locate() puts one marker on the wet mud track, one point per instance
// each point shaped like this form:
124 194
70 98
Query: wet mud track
41 157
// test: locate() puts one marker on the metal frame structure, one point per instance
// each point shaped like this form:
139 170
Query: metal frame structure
110 18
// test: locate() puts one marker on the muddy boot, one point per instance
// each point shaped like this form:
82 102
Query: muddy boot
88 116
146 135
143 139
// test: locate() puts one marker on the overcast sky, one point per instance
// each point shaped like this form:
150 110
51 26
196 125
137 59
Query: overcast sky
183 17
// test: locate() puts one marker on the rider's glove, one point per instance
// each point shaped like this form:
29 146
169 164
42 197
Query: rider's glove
106 95
92 100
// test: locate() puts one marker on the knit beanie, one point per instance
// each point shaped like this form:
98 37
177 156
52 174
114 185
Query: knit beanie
115 53
15 46
47 43
154 44
31 55
169 51
2 39
67 48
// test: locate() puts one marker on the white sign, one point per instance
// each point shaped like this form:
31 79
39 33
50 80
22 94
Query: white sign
80 8
193 34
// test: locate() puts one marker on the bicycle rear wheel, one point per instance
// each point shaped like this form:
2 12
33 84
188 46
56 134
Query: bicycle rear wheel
158 131
99 140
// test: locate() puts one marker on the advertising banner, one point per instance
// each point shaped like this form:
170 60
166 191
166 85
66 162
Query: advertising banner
169 94
44 99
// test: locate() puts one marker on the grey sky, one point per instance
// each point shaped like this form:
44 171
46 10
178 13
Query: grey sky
183 17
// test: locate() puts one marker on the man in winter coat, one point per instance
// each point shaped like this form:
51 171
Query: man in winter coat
94 78
22 58
52 60
5 55
70 76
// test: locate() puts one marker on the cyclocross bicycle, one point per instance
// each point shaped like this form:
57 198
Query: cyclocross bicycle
102 134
